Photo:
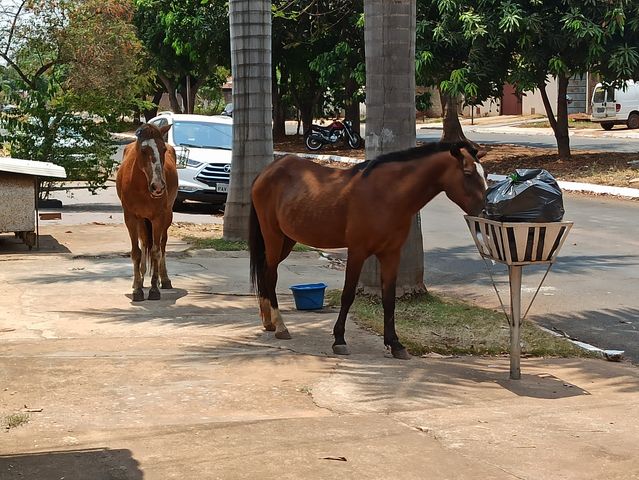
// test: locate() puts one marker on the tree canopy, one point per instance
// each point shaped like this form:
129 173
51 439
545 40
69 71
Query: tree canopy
71 66
187 41
563 38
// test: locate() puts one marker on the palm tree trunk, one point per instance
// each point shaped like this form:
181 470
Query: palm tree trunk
250 23
390 117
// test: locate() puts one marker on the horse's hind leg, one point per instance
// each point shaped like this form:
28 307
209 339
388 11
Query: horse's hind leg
136 256
278 248
353 269
389 263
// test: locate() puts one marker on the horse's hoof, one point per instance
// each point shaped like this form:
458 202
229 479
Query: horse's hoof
283 335
341 349
401 354
154 294
138 295
167 285
269 328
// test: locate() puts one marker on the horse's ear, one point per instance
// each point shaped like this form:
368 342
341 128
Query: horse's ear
138 133
165 128
466 159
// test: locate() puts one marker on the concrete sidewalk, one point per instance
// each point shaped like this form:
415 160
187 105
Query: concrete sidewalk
190 387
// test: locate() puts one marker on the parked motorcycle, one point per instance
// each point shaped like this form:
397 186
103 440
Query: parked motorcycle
319 136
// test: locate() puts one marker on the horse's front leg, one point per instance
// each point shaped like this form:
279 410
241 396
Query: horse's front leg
136 257
156 259
164 275
353 269
389 264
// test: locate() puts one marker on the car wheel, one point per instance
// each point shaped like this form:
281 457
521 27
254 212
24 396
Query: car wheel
356 141
178 205
633 120
607 125
313 143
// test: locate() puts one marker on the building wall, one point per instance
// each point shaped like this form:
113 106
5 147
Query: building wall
533 103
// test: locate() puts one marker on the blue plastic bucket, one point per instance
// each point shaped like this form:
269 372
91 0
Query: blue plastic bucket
308 296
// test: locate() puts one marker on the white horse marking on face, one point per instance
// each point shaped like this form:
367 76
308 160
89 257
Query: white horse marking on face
157 165
480 172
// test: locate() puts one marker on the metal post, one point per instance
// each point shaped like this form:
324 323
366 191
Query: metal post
37 211
514 273
188 94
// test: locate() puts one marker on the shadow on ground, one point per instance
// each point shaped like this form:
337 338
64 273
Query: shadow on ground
9 244
94 464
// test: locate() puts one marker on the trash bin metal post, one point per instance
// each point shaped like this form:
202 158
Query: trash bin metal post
514 274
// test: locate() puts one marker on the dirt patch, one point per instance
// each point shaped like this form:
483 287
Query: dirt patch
295 144
197 230
602 168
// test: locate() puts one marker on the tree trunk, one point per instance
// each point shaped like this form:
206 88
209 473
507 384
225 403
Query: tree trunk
561 132
560 123
390 113
306 113
250 23
279 108
169 86
152 112
452 131
352 105
190 94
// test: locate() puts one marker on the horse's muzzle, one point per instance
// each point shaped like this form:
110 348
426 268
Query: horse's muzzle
157 191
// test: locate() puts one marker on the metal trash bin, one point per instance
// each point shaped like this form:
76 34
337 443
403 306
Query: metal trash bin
517 244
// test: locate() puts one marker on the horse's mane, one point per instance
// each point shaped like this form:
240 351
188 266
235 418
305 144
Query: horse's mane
414 153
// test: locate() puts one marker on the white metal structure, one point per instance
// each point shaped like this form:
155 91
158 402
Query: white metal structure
203 146
616 106
19 180
516 245
30 167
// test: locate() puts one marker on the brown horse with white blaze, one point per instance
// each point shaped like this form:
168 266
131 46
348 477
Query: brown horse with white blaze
367 209
147 183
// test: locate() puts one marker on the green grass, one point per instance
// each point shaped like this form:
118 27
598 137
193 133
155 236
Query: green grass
571 124
222 245
15 420
427 323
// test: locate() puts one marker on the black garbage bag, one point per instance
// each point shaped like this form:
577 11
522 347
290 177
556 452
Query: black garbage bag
528 195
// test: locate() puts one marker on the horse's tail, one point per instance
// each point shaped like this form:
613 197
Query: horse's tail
257 250
148 245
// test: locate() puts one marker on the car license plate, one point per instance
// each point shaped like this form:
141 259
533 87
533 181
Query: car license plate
222 187
601 110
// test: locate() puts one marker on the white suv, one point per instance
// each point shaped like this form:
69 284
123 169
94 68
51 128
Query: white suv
203 147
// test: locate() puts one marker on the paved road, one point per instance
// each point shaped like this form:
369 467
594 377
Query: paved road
608 143
591 292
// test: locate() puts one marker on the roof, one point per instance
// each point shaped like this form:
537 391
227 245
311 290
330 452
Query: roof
30 167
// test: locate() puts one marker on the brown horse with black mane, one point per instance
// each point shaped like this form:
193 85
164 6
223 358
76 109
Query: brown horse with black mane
367 208
147 185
